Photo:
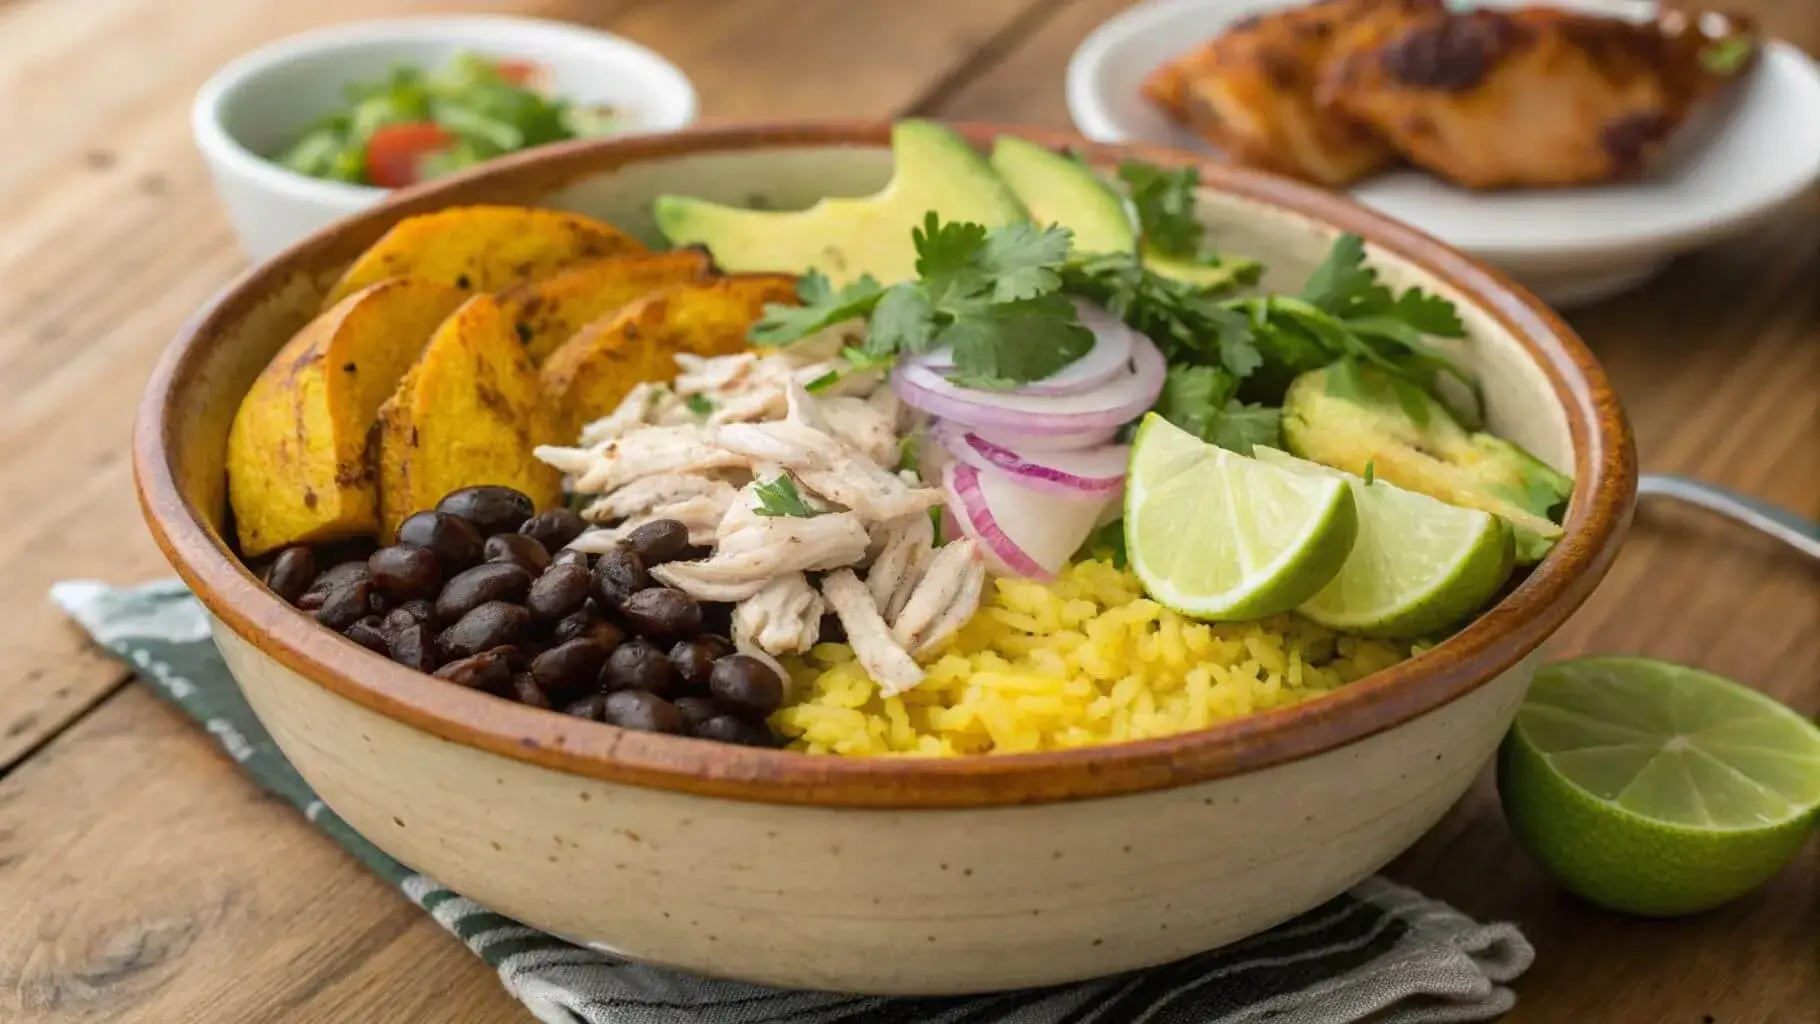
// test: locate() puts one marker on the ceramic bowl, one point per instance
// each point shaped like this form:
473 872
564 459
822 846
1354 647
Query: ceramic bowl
262 101
881 875
1753 152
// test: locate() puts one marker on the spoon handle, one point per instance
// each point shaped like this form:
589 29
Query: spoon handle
1798 532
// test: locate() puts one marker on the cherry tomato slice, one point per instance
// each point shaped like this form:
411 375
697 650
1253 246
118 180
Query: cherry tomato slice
517 71
395 149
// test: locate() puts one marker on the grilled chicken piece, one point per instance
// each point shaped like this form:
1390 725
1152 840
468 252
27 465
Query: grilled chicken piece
1530 98
889 665
783 618
752 549
945 598
908 545
1251 91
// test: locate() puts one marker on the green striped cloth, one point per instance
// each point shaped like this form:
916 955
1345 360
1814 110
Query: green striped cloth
1381 952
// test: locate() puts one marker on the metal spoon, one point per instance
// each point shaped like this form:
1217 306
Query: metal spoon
1798 532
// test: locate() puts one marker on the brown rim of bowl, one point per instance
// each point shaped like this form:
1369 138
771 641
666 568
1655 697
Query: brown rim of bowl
1604 470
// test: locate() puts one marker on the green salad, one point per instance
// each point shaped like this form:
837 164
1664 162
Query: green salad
413 124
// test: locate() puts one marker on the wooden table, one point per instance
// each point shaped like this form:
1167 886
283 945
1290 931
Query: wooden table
143 879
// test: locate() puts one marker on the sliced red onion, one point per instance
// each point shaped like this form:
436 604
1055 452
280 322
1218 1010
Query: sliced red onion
1109 356
1047 442
1022 532
1091 473
1110 405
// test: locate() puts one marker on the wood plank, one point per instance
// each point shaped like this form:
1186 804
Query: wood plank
91 300
143 879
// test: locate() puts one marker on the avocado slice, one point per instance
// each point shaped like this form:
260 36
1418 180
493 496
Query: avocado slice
1058 189
1410 440
846 237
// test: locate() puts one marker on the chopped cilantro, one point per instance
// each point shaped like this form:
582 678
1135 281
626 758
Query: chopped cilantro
781 498
700 405
1729 55
1371 472
822 383
991 296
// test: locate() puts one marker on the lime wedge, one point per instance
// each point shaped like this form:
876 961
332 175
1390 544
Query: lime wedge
1656 789
1216 535
1418 564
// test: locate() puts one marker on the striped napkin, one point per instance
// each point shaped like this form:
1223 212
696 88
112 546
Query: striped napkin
1380 952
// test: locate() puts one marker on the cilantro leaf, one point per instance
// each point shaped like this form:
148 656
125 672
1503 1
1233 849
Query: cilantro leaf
1021 259
1009 343
1107 542
823 382
1164 200
1429 314
822 307
700 405
945 257
1193 397
1240 427
781 498
904 320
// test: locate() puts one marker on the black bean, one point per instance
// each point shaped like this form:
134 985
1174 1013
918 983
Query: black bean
421 612
694 659
493 581
526 691
491 625
369 634
560 591
414 646
586 624
406 572
571 667
331 580
555 528
696 710
570 556
729 729
646 712
636 665
491 508
519 550
346 605
485 671
533 648
746 686
593 707
658 541
454 540
662 613
619 574
292 572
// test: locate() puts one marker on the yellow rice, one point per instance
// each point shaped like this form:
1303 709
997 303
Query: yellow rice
1085 660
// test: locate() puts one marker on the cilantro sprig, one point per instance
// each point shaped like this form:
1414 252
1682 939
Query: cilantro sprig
1163 201
991 297
1230 359
779 497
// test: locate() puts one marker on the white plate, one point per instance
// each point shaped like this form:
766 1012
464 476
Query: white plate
1568 245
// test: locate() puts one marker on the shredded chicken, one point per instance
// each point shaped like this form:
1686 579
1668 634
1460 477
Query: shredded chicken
652 492
785 617
751 549
908 544
864 426
645 451
944 599
805 445
700 515
889 665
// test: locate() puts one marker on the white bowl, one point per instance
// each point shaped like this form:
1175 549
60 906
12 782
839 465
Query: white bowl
1568 245
263 100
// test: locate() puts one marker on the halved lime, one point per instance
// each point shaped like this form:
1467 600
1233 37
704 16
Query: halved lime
1418 564
1216 535
1657 789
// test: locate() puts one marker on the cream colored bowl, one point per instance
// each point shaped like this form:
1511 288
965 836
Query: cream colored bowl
881 876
